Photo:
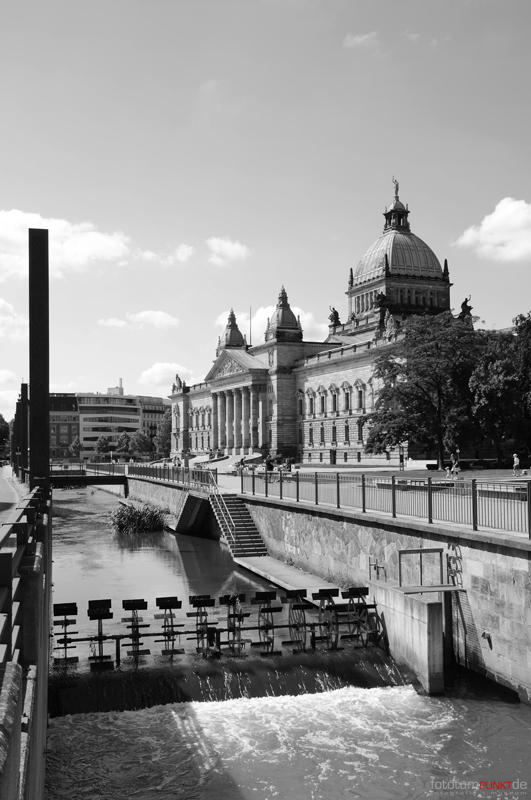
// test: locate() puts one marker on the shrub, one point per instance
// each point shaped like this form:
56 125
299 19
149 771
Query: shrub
134 519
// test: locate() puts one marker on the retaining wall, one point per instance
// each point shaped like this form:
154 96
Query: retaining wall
491 620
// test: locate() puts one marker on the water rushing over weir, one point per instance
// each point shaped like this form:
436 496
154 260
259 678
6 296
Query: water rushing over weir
343 741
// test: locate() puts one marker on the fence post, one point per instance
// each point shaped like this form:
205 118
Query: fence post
280 483
265 482
363 507
529 508
241 479
474 505
298 475
316 491
252 479
393 496
430 501
338 490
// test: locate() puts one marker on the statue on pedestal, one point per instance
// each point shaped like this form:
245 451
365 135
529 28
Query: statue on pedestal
334 317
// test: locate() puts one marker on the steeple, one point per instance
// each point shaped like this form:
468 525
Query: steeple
396 214
232 336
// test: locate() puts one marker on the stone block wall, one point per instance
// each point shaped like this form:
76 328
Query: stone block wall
491 618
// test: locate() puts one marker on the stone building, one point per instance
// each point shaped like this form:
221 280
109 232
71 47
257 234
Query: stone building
304 399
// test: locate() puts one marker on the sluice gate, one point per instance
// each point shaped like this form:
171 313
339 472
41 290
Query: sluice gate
320 623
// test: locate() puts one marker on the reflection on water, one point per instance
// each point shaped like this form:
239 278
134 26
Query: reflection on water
91 562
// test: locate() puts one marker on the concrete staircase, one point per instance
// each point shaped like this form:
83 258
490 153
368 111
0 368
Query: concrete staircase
239 530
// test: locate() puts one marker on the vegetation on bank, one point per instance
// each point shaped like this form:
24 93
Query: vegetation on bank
129 519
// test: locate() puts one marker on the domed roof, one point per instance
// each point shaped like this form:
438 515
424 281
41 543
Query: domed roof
283 323
407 255
396 204
231 336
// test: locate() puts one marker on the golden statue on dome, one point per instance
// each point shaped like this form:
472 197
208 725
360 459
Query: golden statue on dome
396 187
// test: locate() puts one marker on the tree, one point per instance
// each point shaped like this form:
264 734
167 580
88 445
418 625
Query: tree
75 447
163 436
103 445
123 444
497 400
140 443
4 431
425 396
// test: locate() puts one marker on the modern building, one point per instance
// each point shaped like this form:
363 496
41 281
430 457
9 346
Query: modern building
305 399
64 424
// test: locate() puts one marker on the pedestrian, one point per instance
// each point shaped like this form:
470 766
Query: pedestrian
516 465
456 467
449 470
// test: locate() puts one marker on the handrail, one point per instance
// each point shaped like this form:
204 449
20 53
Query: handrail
225 513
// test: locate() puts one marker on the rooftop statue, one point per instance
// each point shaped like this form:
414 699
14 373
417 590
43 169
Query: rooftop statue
396 186
334 317
466 308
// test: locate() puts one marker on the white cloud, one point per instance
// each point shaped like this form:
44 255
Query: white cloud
312 330
504 235
223 250
162 373
367 41
411 37
112 322
73 247
8 402
13 326
159 319
7 377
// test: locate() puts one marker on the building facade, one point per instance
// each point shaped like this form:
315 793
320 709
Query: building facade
307 400
64 424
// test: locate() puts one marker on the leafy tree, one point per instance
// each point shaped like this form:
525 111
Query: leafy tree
425 396
4 431
140 443
495 383
123 444
75 447
103 445
163 436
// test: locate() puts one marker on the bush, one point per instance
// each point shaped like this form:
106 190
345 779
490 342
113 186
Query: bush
132 519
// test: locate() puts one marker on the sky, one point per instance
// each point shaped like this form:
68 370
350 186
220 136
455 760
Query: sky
193 156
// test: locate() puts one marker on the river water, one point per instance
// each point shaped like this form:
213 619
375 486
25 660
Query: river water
343 742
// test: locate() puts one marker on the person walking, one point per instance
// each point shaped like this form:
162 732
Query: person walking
456 467
516 465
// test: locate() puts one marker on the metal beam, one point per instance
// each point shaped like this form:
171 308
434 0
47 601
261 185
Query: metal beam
39 353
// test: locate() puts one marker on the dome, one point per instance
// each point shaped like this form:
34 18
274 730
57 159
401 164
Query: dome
231 336
396 205
407 255
283 324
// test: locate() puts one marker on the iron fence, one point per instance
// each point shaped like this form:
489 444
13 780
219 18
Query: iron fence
502 506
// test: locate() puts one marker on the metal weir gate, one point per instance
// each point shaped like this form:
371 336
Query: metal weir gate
244 623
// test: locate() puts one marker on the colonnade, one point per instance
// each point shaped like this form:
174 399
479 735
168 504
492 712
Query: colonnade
239 419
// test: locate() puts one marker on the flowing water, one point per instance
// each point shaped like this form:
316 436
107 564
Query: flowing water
344 742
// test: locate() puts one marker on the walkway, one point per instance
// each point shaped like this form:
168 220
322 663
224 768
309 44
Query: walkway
8 495
283 575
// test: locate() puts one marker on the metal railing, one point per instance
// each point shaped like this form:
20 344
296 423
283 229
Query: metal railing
195 478
228 522
498 506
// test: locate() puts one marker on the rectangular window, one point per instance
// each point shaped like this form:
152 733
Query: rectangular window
334 402
334 433
300 406
322 404
322 434
347 401
310 435
300 435
64 428
311 405
53 439
347 433
52 429
360 398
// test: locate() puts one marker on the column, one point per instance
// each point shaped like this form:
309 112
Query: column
262 427
246 432
222 408
214 421
229 422
237 421
254 417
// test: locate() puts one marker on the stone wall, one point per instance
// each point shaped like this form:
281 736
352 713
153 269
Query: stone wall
491 618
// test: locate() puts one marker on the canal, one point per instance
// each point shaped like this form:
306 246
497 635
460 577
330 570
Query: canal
340 741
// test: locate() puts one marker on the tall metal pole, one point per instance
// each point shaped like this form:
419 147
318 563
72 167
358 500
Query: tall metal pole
39 353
